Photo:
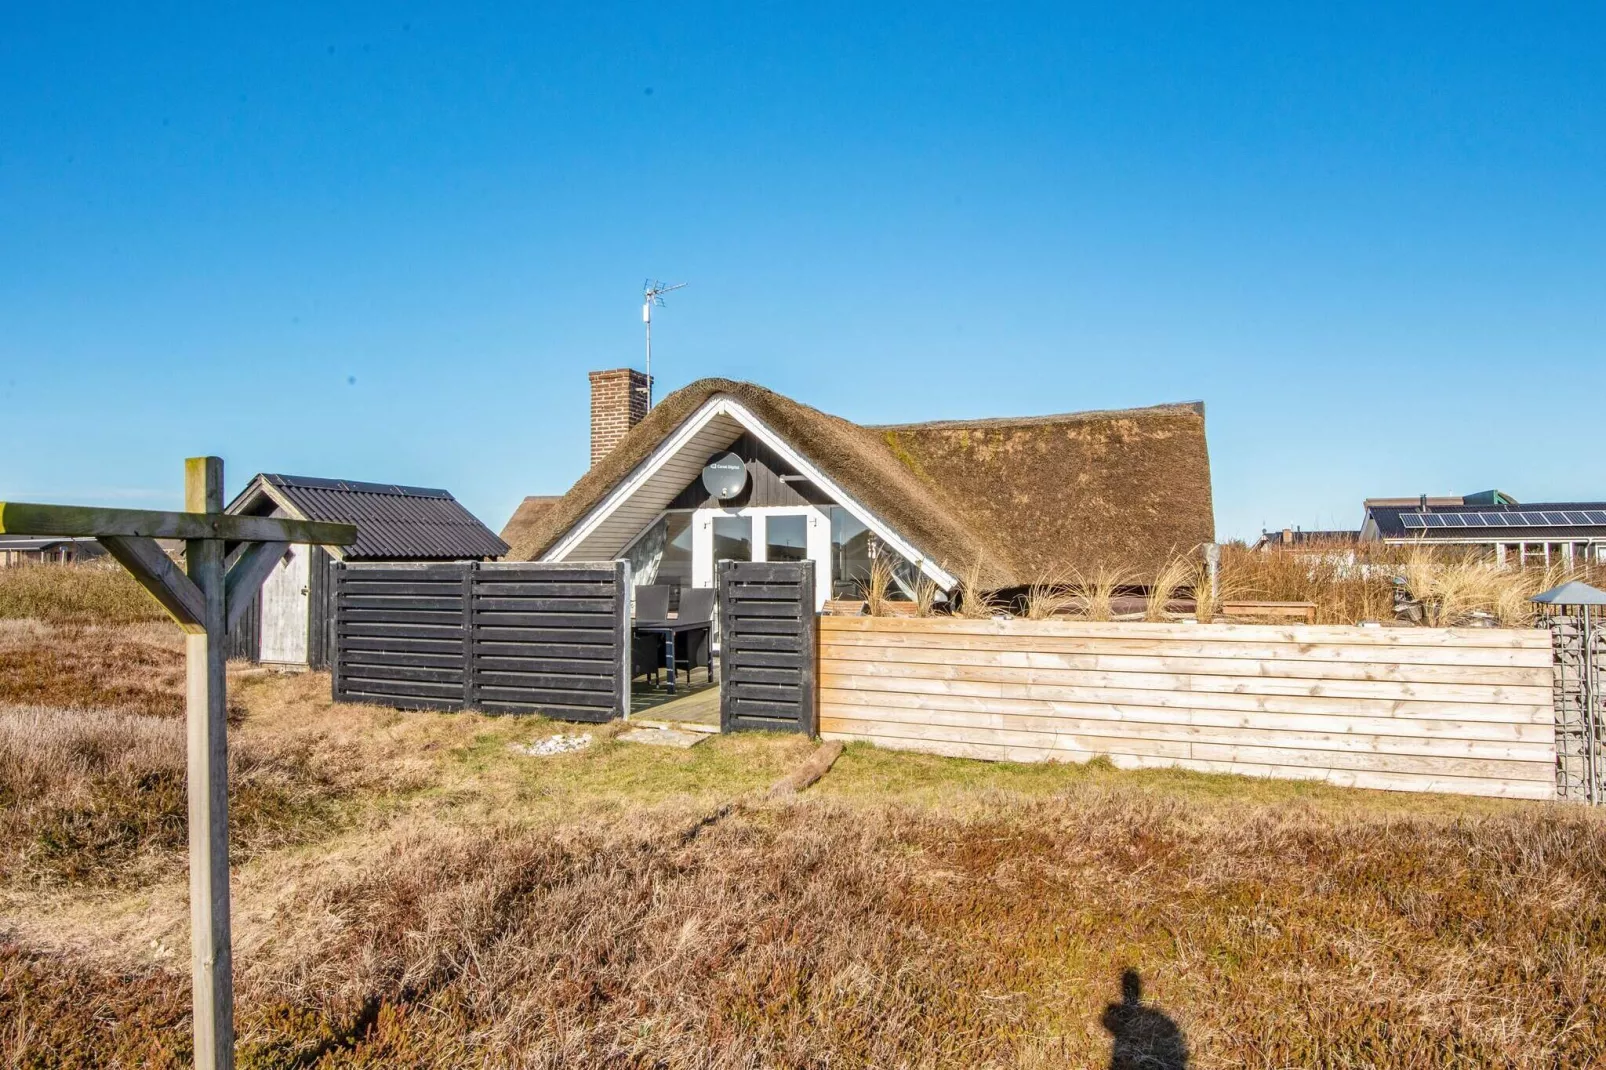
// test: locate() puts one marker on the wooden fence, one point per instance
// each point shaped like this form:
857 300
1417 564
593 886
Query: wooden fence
767 633
549 638
1454 710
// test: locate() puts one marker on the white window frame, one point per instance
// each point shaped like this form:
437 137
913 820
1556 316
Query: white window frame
818 548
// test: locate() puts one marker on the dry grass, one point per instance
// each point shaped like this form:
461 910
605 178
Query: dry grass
91 797
92 592
95 668
878 589
1096 591
975 602
835 932
629 906
1175 575
1051 597
1350 584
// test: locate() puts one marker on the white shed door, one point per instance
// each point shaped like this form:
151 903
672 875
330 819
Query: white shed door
284 608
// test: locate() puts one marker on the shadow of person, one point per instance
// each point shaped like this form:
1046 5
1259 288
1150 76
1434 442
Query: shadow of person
1143 1037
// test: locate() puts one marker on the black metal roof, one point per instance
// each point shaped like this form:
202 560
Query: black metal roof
1530 520
393 522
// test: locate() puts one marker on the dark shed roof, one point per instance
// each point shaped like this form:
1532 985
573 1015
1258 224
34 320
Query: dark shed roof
393 522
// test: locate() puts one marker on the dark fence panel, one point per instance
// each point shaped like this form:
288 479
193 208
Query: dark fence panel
551 638
245 638
399 634
768 632
503 637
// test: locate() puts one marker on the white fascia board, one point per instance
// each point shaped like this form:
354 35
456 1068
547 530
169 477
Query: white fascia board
722 404
264 489
635 480
936 573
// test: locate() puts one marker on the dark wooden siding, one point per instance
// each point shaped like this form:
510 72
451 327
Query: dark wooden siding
551 638
399 635
514 638
245 638
768 633
320 608
765 487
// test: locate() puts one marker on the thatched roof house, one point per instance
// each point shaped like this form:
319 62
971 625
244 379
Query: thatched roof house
1020 499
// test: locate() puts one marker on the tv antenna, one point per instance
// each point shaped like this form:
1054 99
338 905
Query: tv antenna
652 293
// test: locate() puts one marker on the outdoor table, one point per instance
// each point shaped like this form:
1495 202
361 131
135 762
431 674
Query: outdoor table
671 630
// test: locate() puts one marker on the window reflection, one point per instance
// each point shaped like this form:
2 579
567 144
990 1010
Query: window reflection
733 538
786 538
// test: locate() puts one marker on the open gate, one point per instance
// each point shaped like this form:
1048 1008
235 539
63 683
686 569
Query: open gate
768 642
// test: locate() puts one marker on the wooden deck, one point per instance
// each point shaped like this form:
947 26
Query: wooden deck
696 703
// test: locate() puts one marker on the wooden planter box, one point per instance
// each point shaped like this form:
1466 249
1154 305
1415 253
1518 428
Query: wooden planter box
1305 611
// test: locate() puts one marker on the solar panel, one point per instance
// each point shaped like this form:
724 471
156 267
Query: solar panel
1538 518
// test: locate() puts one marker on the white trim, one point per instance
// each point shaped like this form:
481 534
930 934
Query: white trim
635 481
725 405
267 490
817 544
642 534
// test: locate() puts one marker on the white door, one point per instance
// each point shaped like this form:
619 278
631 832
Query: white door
284 608
754 524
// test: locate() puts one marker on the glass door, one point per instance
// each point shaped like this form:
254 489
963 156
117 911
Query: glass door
782 533
732 539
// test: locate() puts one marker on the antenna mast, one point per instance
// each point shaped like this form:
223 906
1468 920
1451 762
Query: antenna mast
652 293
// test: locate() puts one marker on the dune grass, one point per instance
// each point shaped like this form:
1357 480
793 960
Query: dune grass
629 906
98 592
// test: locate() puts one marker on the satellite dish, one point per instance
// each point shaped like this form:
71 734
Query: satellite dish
724 476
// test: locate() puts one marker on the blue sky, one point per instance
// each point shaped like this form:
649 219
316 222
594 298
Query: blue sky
389 243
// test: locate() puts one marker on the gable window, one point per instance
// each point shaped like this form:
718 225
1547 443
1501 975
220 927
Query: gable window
850 554
662 553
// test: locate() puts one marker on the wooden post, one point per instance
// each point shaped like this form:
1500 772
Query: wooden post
211 953
203 603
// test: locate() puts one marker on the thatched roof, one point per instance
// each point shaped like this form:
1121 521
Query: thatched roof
1024 499
526 519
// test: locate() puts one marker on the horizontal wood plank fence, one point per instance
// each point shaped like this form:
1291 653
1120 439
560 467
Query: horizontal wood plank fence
549 638
1453 710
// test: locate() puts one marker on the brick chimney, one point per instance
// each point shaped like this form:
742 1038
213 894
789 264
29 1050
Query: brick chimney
618 403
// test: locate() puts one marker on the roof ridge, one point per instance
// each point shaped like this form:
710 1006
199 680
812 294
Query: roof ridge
320 483
1049 418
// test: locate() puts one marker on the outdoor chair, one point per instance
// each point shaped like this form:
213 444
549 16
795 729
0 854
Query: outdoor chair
697 604
647 656
652 603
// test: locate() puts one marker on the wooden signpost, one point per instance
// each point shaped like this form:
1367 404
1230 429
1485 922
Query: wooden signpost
226 559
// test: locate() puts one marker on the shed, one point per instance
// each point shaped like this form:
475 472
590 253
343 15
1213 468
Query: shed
289 625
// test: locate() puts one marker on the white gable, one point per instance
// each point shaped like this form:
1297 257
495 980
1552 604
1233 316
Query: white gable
605 531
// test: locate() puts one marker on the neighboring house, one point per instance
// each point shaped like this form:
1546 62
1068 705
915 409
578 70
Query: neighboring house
50 550
1299 540
1565 533
724 470
289 623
